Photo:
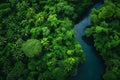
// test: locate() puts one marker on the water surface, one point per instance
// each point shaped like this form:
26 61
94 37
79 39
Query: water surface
93 67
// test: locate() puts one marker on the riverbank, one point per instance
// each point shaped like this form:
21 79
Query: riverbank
93 68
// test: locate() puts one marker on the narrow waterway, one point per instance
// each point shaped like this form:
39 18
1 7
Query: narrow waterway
93 67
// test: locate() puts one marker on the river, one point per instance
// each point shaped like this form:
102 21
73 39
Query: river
93 68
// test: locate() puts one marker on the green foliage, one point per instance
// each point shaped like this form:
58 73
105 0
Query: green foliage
104 24
109 76
16 72
40 17
94 19
4 10
89 31
59 74
13 2
70 52
100 29
53 20
117 13
45 31
5 5
22 6
30 13
63 7
31 47
37 39
68 63
107 12
106 32
44 42
35 31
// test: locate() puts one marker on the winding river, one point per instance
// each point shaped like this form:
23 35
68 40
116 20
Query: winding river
93 67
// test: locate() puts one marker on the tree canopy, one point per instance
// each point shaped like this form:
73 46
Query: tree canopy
106 32
37 39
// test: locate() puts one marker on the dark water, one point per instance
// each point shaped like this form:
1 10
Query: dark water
93 67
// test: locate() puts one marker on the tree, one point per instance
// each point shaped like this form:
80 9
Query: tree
109 75
36 39
106 36
16 72
30 13
94 19
53 20
45 42
31 47
45 31
4 10
68 63
22 6
100 29
58 74
105 11
36 31
104 24
89 31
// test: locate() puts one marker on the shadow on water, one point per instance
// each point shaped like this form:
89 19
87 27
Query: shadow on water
93 68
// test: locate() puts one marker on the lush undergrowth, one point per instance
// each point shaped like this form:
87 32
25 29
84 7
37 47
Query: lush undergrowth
106 33
37 39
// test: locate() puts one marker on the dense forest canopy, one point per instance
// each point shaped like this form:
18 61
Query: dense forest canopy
37 39
106 33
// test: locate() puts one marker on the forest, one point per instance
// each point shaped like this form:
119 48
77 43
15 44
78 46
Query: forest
37 38
106 33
